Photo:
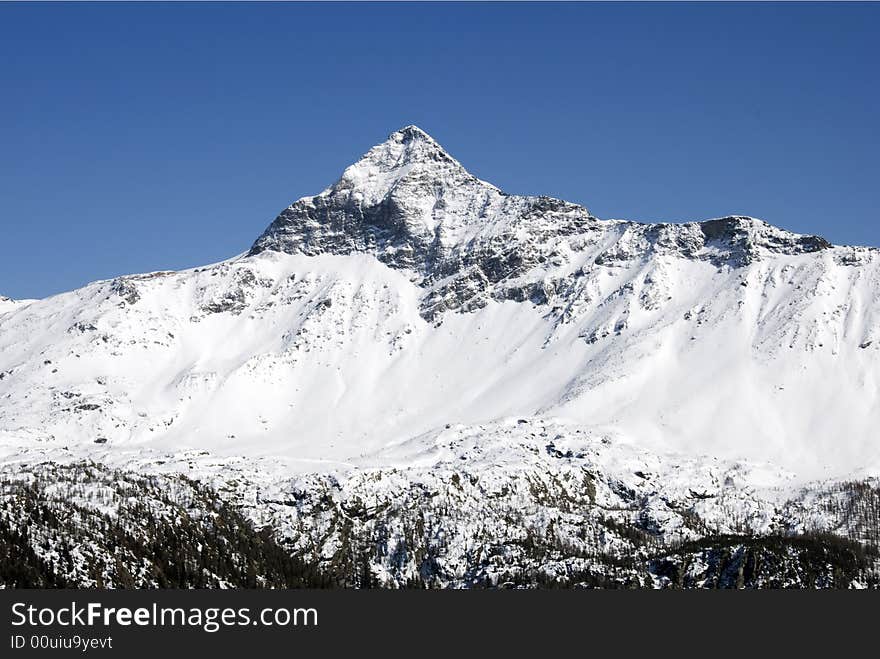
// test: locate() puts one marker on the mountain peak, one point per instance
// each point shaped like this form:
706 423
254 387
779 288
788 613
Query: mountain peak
404 198
409 169
411 133
405 151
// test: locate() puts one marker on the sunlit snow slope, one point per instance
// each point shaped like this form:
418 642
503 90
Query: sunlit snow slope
410 295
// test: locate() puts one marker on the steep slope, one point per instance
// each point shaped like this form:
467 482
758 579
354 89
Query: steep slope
410 295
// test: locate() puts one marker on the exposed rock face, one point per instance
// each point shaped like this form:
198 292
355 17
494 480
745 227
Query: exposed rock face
126 290
414 207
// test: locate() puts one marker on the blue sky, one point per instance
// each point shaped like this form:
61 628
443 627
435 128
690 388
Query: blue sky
138 137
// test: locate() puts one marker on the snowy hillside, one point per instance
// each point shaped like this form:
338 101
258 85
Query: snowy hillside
411 317
8 304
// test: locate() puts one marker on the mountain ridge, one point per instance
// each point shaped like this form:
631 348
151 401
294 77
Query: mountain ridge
375 176
414 207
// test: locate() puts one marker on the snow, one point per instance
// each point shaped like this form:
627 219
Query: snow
8 304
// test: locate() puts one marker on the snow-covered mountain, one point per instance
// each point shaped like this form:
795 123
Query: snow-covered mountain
412 326
410 294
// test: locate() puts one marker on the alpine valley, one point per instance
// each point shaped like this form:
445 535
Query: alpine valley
414 379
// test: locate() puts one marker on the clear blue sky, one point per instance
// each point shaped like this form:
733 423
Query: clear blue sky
139 137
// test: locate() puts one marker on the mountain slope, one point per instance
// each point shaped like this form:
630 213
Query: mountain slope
8 304
410 295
